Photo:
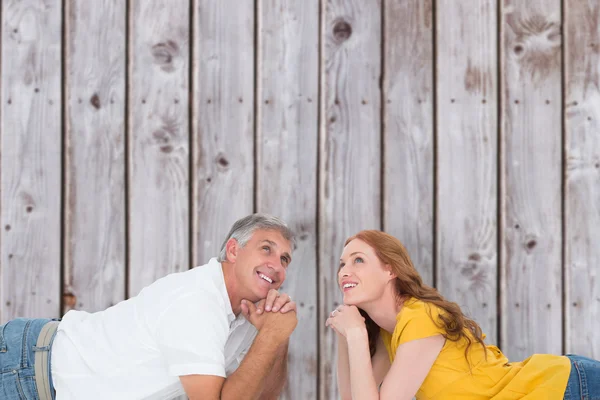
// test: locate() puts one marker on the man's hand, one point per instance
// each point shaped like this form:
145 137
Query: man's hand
252 314
279 301
280 324
275 301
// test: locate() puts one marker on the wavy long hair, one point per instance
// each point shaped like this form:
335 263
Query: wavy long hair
408 283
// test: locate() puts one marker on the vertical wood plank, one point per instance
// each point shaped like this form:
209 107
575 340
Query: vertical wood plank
582 197
350 148
223 140
95 155
532 176
30 170
159 141
408 129
287 148
467 158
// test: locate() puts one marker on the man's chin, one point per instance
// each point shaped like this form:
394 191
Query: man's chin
258 295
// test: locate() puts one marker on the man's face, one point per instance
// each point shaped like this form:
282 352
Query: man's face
262 263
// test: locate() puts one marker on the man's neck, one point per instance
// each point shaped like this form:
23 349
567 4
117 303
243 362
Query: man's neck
232 287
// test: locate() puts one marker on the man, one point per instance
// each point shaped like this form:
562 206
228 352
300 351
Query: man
196 332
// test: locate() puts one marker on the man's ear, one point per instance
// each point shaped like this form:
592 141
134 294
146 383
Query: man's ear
231 249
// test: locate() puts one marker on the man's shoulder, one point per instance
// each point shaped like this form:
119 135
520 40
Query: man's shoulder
204 277
201 283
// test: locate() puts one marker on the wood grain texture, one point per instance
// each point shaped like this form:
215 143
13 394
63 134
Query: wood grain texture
582 191
30 170
466 74
350 146
159 216
223 135
408 129
287 149
94 274
532 178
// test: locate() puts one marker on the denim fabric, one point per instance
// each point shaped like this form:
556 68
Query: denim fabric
18 339
584 381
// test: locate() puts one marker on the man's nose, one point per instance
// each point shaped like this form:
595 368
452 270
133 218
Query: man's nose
277 265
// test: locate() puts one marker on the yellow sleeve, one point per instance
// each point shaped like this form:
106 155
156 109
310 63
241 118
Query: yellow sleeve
417 322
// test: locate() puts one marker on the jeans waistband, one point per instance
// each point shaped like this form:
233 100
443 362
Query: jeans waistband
42 360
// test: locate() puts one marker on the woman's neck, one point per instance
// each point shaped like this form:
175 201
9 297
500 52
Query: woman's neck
384 311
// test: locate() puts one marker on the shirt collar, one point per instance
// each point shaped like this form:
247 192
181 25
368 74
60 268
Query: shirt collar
220 282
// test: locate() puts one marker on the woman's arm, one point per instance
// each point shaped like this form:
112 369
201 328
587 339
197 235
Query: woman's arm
380 363
411 365
362 380
412 361
343 369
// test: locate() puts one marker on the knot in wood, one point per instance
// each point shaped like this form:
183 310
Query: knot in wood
95 101
222 162
342 30
164 53
475 257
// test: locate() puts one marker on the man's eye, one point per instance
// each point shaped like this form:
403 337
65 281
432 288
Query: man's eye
266 248
284 260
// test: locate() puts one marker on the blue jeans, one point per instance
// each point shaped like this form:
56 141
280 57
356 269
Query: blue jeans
584 381
18 339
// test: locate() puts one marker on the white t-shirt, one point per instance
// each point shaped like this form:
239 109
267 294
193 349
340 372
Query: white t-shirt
181 324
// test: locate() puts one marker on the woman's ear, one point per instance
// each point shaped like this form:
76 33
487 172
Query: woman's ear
390 272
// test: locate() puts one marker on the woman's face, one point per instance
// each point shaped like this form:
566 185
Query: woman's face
362 277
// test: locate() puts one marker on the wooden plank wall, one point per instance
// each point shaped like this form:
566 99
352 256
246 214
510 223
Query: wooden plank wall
133 134
581 171
287 104
531 177
94 159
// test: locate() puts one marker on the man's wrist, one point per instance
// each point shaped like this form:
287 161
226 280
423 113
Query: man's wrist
274 335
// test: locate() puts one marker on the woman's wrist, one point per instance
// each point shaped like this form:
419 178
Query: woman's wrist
357 334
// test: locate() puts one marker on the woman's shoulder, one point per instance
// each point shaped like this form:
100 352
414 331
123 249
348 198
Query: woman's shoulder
414 308
416 320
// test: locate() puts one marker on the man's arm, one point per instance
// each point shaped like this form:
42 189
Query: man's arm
248 381
277 378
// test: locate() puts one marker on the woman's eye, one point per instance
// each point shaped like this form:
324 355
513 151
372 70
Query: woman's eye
358 259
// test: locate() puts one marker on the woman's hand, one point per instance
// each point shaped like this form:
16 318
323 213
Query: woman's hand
345 319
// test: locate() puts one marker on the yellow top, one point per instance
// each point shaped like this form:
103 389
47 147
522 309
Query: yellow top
541 376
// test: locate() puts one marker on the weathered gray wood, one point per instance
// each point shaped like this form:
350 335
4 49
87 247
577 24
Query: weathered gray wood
466 74
287 149
532 176
223 135
350 146
94 274
582 196
30 170
408 129
159 215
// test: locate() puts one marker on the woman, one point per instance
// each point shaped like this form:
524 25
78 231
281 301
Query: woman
399 338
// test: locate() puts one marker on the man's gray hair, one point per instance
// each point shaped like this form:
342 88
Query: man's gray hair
243 229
